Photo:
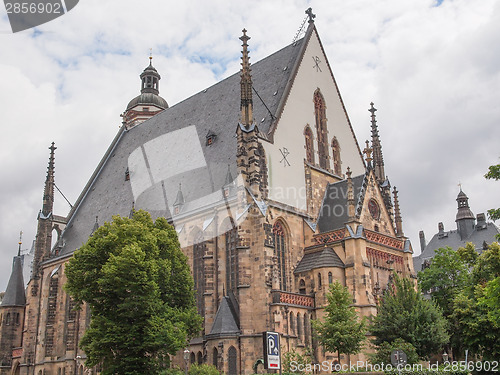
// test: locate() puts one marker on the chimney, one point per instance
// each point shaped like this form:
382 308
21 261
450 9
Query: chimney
481 221
422 240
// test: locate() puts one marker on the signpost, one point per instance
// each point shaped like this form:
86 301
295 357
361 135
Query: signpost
272 355
399 359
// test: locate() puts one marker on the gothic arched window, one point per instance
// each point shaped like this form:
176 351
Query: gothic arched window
330 278
306 329
51 314
320 284
308 134
321 130
299 327
232 359
337 169
302 286
232 260
199 272
280 252
292 323
215 357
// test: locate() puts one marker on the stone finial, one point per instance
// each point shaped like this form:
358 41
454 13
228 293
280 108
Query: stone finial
397 214
351 209
368 152
311 15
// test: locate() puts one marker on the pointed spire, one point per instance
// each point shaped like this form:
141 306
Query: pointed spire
229 177
397 214
96 225
351 209
179 200
48 193
15 294
246 105
132 211
378 159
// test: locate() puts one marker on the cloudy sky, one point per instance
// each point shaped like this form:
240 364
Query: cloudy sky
432 67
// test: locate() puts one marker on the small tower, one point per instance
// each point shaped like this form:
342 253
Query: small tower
12 313
465 218
248 154
43 241
149 102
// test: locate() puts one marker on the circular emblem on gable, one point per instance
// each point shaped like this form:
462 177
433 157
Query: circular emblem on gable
374 209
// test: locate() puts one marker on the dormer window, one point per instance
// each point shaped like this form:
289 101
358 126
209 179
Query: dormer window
210 138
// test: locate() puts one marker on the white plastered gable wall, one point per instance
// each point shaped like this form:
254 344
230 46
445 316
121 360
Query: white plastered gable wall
287 182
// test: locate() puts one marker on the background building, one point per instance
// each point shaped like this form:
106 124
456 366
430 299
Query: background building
470 228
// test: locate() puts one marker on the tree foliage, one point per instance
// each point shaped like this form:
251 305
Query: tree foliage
476 306
384 351
447 275
137 283
493 174
340 331
405 314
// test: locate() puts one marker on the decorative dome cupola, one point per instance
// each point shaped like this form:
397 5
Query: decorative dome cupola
149 102
465 218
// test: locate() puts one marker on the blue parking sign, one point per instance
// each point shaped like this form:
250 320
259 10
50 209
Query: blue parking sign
272 358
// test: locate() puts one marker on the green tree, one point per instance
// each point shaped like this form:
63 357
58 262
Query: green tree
405 314
476 307
446 277
494 174
340 331
137 283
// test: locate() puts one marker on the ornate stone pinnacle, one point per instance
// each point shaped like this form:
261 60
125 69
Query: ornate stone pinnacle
368 152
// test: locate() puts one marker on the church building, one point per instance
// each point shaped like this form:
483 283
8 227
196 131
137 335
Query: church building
271 195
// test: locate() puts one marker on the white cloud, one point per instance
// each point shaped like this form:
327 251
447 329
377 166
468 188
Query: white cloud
433 73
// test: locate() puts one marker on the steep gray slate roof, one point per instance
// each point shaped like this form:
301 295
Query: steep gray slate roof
452 239
324 258
15 294
333 214
214 110
225 320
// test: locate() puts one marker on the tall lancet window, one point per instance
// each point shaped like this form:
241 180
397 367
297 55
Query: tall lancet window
309 144
337 168
232 259
320 115
199 271
280 252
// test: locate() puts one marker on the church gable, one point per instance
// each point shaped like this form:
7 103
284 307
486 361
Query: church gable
312 128
374 214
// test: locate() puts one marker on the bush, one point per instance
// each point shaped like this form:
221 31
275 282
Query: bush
384 350
203 370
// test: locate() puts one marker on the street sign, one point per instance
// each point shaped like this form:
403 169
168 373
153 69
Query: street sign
272 359
398 358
